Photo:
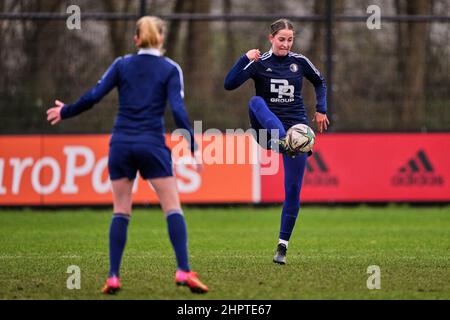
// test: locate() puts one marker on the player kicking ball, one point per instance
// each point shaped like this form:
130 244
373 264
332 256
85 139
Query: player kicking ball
278 105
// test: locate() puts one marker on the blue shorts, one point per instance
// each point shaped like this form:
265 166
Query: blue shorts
126 158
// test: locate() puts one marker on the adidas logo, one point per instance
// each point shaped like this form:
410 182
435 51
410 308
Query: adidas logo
268 70
413 164
317 163
417 171
317 172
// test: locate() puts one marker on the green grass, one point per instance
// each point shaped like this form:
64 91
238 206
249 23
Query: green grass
232 250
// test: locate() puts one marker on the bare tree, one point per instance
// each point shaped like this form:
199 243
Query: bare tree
317 51
415 66
174 29
25 64
118 28
318 43
229 40
198 54
6 28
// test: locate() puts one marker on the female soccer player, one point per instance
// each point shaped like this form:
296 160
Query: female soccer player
278 105
145 81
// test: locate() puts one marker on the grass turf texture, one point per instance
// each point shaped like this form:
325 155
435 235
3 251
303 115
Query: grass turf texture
232 249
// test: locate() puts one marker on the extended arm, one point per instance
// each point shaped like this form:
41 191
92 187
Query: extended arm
320 86
109 80
319 83
176 100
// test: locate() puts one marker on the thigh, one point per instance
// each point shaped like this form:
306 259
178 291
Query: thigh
122 195
261 137
166 189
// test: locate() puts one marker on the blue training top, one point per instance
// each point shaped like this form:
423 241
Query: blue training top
278 80
145 81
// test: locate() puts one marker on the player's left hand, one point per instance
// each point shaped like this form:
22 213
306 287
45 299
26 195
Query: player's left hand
198 163
321 121
54 114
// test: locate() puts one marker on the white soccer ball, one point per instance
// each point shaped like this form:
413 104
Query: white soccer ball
300 138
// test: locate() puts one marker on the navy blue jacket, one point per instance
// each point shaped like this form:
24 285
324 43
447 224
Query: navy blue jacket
145 82
278 80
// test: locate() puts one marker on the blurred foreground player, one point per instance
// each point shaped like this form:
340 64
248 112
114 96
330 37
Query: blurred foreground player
145 82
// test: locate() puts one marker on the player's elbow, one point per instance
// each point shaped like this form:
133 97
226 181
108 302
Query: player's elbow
321 87
95 96
322 83
229 84
180 117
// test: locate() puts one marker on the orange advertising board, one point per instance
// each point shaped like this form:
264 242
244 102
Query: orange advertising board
73 169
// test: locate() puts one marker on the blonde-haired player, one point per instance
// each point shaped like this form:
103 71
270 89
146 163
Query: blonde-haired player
145 82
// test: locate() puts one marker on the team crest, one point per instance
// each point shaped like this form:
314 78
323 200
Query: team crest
293 67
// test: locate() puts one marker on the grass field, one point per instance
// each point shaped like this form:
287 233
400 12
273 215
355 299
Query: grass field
232 250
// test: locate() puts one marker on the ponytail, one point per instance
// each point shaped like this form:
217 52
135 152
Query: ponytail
150 31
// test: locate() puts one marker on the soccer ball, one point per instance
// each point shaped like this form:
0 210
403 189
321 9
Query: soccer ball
300 138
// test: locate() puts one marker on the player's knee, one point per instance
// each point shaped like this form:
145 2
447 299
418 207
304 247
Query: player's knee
255 103
123 206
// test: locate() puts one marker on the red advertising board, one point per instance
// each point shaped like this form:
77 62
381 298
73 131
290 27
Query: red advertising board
372 167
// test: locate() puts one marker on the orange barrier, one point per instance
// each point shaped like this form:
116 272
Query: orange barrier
73 169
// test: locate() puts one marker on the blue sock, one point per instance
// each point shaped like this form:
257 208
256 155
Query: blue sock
265 117
288 219
294 169
178 237
117 239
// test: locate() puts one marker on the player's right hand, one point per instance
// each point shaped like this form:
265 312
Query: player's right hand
321 121
253 54
54 114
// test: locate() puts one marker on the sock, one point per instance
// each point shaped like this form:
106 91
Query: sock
178 237
294 169
266 117
288 219
283 242
117 239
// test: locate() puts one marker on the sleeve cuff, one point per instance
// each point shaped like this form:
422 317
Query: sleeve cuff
245 59
63 112
321 111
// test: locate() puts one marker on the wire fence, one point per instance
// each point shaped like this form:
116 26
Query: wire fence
395 78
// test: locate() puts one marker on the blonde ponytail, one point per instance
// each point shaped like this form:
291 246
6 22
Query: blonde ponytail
150 31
